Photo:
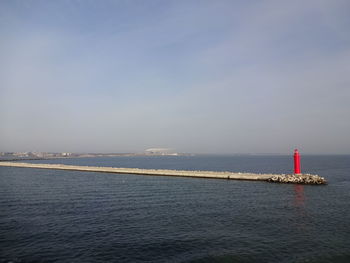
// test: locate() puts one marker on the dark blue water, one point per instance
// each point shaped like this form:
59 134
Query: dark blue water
71 216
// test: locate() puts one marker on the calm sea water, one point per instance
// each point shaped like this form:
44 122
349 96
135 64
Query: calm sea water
71 216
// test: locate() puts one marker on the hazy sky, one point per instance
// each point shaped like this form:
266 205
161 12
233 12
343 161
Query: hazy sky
197 76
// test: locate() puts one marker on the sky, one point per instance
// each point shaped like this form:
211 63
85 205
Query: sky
196 76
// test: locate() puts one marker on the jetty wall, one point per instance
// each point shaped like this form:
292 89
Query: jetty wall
137 171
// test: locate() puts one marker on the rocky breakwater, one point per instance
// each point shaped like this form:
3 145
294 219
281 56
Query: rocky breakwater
297 179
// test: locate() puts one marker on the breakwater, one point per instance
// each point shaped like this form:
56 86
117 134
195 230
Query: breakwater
154 172
137 171
298 179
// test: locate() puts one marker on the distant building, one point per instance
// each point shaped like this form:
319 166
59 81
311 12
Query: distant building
160 151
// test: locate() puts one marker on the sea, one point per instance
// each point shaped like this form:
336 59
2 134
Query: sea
74 216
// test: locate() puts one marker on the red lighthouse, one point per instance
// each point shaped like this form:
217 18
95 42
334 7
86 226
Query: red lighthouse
297 169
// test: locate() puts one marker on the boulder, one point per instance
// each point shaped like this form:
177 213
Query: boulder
297 179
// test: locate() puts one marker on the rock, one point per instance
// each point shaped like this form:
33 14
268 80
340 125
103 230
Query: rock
297 179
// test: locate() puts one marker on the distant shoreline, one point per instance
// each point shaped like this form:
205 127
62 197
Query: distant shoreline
73 156
14 158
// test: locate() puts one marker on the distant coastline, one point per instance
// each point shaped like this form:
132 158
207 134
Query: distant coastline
17 156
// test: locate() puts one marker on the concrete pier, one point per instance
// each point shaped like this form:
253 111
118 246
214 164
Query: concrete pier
282 178
137 171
